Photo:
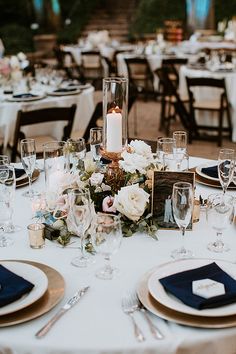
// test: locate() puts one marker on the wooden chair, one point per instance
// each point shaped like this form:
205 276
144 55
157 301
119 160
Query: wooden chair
66 62
219 105
173 64
41 116
141 76
91 67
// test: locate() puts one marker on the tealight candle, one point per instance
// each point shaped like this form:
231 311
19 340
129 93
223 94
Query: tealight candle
114 132
36 235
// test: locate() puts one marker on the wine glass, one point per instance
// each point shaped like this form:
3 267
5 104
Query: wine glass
182 199
7 191
226 162
106 239
28 158
95 139
180 148
165 146
76 154
219 212
80 207
4 160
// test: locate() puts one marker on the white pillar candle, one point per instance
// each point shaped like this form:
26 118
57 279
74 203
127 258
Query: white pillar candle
114 132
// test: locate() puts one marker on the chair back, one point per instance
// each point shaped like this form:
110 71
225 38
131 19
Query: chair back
140 74
40 116
173 64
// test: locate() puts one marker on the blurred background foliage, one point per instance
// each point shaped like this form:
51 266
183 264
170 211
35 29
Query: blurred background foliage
16 17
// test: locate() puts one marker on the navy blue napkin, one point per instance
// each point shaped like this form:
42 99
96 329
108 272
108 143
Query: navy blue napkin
19 172
12 286
211 171
24 95
66 89
180 285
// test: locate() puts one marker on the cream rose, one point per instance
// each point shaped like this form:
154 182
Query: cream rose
131 201
141 148
133 162
96 179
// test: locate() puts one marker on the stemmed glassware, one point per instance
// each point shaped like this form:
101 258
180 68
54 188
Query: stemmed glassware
220 213
182 200
96 142
76 154
106 239
180 148
7 191
28 158
226 164
80 207
4 160
165 147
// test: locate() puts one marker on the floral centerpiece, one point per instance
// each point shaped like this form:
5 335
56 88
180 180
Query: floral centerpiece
11 67
132 201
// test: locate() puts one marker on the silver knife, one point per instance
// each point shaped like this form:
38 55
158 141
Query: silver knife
70 303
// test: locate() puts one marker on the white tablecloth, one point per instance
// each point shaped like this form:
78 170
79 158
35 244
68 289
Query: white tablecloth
211 93
97 324
8 115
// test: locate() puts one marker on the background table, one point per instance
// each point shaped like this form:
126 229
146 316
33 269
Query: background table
97 323
8 115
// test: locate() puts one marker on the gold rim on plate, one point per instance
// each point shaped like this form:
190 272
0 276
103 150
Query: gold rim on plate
209 182
25 181
53 295
167 314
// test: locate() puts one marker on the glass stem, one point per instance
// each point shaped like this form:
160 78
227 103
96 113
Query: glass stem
182 229
82 245
219 238
108 267
30 186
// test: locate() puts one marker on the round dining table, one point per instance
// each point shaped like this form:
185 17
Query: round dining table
97 324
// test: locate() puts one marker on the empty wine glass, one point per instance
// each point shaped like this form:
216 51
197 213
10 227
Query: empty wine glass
106 239
7 191
180 148
219 212
182 201
226 163
76 154
28 159
81 213
96 142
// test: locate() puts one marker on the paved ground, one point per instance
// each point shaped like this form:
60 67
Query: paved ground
148 118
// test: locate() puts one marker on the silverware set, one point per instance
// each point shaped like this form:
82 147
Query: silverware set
130 304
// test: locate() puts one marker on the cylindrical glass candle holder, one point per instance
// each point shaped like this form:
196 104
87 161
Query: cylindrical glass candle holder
36 235
115 108
55 165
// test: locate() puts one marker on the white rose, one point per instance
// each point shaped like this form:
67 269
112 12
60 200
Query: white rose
21 56
131 201
89 165
141 148
133 162
14 62
96 179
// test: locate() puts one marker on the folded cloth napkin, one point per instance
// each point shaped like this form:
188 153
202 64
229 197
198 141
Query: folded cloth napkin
180 285
66 89
19 172
12 286
24 95
211 171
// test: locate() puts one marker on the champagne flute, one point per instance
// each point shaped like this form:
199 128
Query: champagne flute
28 158
182 199
80 207
180 148
220 213
226 163
7 191
106 239
96 135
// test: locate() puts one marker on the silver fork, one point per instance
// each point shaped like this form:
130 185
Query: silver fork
127 307
138 306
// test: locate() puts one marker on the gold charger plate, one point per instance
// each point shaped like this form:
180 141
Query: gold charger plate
208 182
54 294
25 181
167 314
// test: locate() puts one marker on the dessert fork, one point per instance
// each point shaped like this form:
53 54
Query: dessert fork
128 308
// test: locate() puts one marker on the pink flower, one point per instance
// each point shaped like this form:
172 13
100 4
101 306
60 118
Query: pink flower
107 205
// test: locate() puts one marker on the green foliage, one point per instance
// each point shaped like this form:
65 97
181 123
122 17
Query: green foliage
151 14
16 38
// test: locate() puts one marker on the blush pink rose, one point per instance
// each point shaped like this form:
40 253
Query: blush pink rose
107 205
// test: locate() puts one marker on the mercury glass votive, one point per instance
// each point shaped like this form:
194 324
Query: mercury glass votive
36 235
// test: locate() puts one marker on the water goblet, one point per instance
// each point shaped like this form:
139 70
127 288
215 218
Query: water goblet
7 191
165 146
226 163
76 154
28 158
96 135
106 239
219 213
80 209
182 202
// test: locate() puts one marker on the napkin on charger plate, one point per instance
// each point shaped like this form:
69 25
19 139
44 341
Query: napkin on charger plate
180 285
24 95
66 89
211 171
12 286
19 172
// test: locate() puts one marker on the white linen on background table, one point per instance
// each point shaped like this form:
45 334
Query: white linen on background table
211 94
97 325
9 110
